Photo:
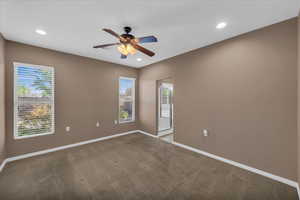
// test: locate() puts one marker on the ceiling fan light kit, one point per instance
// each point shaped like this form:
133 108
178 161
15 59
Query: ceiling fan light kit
126 49
129 44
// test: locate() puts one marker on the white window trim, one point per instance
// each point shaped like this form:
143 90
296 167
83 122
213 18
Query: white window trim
16 64
133 101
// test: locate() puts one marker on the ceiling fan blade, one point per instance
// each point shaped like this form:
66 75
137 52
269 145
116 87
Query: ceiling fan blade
123 56
147 39
106 45
142 49
111 32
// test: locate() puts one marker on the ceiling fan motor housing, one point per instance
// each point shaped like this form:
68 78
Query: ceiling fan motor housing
126 35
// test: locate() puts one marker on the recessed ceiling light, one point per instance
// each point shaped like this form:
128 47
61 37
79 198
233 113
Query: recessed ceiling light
41 32
221 25
139 59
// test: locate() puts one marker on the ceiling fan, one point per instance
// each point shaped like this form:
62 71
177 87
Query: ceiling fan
129 44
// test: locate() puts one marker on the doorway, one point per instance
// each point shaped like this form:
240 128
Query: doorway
165 110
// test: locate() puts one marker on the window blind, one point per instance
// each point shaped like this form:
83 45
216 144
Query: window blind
33 100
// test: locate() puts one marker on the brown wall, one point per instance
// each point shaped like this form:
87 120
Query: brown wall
86 91
243 90
148 79
2 100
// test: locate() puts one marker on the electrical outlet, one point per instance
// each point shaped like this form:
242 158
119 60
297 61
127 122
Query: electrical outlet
98 124
205 132
68 128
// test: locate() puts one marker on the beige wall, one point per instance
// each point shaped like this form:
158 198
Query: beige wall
86 91
2 100
243 90
148 78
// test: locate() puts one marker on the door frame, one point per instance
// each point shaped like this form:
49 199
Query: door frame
158 107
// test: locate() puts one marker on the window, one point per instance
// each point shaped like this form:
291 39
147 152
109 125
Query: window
126 99
33 100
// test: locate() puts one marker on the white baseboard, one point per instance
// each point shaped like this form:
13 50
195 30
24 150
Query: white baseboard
298 190
148 134
251 169
3 164
28 155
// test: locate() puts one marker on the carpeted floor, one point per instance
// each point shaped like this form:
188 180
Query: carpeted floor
133 167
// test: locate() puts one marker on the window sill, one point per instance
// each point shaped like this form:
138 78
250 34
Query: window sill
31 136
125 122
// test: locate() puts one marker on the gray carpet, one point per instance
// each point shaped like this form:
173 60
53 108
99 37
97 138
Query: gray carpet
133 167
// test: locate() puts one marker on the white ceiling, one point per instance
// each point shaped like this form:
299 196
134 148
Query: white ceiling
73 26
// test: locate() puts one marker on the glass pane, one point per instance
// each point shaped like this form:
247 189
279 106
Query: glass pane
33 82
165 102
34 119
165 96
126 87
125 111
126 100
